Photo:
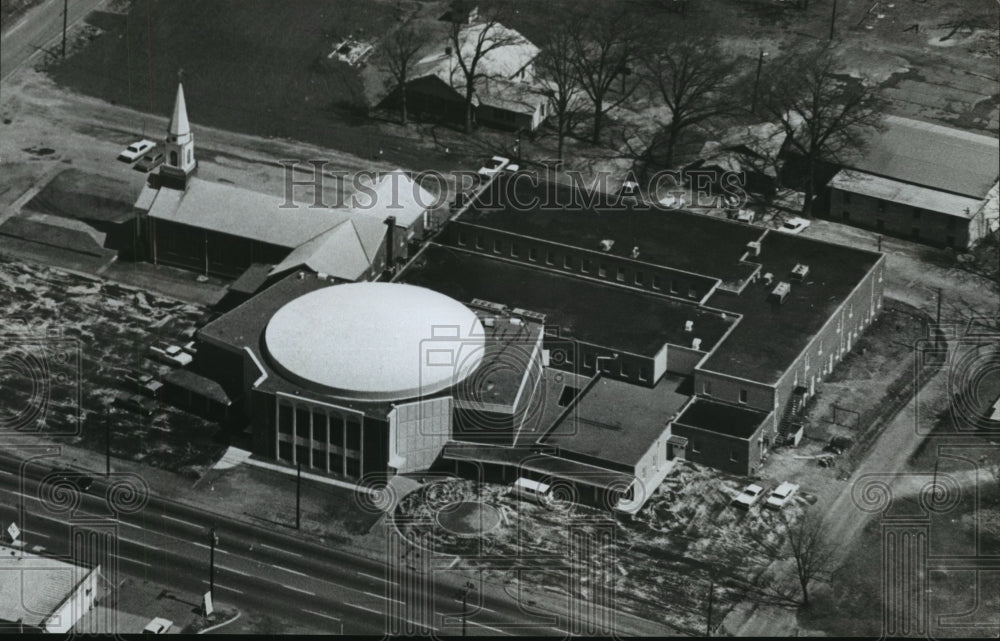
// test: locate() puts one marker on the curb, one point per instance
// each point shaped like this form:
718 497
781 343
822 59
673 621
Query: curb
219 625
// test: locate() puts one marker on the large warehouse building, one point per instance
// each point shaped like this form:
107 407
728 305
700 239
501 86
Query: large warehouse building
572 342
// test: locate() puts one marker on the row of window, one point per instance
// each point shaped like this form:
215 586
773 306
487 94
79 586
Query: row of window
706 390
331 462
586 265
881 207
734 455
609 365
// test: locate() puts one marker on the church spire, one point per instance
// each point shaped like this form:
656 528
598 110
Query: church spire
179 161
179 121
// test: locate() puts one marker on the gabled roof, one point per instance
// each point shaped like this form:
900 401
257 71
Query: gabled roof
932 156
865 184
243 213
179 125
518 97
396 194
502 62
346 251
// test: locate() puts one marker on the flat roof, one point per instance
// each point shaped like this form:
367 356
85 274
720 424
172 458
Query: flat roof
902 193
722 418
618 422
33 586
932 155
770 336
709 247
599 313
74 193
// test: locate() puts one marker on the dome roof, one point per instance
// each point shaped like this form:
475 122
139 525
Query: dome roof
375 341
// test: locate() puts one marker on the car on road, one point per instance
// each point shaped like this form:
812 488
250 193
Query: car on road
749 496
136 402
170 354
494 166
136 150
159 625
794 226
150 161
780 495
746 215
80 480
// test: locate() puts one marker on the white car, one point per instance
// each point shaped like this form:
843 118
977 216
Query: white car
780 495
749 496
794 226
746 216
171 354
159 625
494 166
136 150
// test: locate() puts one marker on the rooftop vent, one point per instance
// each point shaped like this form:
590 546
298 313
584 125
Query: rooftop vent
488 306
753 247
532 316
688 326
781 291
768 278
607 244
696 343
800 271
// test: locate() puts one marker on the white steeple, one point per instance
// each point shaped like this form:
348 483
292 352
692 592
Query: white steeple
179 161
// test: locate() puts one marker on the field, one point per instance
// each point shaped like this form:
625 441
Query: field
68 341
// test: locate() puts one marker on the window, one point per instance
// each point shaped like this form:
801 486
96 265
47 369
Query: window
743 396
692 293
602 271
734 456
550 258
626 371
533 254
585 265
568 262
706 388
461 239
656 281
621 275
640 278
515 250
479 242
673 286
644 374
695 445
589 361
497 247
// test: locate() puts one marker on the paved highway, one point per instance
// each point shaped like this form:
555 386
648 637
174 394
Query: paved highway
258 569
40 28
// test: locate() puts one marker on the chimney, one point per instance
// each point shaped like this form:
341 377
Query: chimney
688 326
390 243
696 343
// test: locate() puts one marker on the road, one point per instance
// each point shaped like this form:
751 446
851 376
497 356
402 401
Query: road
261 570
40 28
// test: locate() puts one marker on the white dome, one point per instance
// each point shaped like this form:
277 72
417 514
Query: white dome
375 341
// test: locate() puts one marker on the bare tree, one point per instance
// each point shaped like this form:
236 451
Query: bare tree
825 117
694 79
605 50
471 44
804 542
398 56
555 65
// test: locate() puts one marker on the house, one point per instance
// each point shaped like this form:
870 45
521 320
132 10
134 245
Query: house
926 182
506 94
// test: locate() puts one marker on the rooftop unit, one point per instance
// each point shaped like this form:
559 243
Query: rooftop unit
753 248
780 292
607 244
800 271
488 306
768 279
526 314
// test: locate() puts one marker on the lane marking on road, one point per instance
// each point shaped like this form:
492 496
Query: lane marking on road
224 587
361 607
278 567
138 527
383 597
128 560
233 570
271 547
377 578
292 587
6 472
151 547
489 627
188 523
325 616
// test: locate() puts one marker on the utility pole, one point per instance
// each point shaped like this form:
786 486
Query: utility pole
298 496
213 540
708 620
65 19
756 81
833 16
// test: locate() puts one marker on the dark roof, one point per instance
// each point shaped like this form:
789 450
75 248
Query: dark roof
722 418
694 243
198 384
78 194
594 312
616 421
932 155
770 336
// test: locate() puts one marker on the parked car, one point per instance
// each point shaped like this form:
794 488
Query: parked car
170 354
150 161
746 215
81 480
136 150
749 496
159 625
494 166
780 495
136 402
794 226
145 383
